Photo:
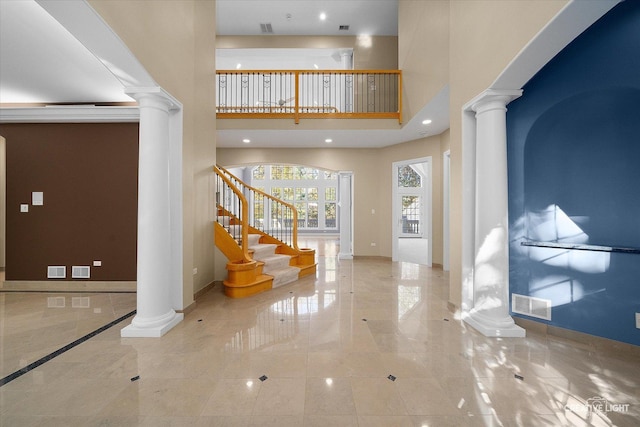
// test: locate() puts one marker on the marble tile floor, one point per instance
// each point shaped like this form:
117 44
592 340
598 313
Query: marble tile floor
366 342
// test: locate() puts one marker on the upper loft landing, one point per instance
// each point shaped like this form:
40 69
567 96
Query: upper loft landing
313 94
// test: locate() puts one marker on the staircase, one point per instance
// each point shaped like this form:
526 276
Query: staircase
276 265
259 259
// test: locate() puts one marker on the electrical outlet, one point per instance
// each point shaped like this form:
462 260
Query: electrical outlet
373 243
97 263
638 320
195 271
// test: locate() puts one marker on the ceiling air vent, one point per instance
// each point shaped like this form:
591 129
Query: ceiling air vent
266 28
344 28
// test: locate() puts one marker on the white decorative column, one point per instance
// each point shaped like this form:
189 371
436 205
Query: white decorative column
345 183
346 59
490 311
155 315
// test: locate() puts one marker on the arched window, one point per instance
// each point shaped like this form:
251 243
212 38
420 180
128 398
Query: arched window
314 193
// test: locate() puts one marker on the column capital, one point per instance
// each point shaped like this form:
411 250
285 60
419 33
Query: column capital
491 99
153 96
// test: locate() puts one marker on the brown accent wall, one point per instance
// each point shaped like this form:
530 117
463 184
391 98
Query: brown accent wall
88 174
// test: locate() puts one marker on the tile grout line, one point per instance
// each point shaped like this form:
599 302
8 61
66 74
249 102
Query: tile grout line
64 349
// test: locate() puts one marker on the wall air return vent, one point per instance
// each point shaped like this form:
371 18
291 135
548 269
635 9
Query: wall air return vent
343 28
55 302
80 302
80 272
56 272
266 28
531 306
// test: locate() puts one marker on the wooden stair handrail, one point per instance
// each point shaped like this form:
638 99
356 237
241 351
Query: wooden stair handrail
244 206
294 243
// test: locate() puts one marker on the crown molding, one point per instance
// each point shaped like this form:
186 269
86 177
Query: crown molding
69 114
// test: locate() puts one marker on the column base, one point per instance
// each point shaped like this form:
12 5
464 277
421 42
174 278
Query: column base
345 256
505 328
155 329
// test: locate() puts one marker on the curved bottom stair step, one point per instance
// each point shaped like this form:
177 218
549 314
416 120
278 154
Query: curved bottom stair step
262 283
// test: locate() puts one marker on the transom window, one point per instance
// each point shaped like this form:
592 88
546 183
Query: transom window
408 177
314 193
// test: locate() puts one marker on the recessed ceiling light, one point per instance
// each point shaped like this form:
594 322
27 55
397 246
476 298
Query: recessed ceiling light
323 16
328 140
246 140
426 122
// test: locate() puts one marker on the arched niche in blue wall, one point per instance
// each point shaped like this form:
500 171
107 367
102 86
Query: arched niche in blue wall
574 177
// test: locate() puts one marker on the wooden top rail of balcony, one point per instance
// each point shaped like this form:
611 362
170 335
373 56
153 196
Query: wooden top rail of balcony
301 94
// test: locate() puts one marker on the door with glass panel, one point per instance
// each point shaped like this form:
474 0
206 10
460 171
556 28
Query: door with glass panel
410 202
411 211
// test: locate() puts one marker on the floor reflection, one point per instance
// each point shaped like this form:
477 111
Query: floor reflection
364 342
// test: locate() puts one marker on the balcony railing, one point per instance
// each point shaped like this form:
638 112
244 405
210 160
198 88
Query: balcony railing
296 94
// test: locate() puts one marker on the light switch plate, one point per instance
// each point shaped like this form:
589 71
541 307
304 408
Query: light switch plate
37 198
638 320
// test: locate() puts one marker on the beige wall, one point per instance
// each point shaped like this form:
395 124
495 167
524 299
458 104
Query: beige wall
444 141
423 51
372 183
374 53
3 198
484 37
175 41
204 250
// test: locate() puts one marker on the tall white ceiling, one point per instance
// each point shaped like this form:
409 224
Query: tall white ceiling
301 17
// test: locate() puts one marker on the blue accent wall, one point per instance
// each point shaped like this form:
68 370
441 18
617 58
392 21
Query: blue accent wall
573 142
